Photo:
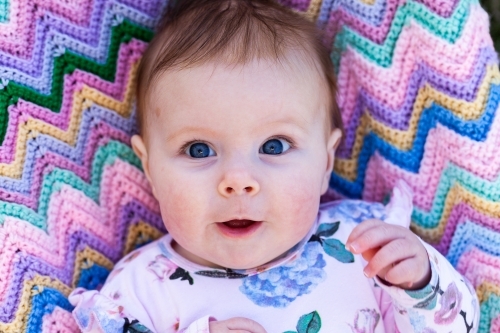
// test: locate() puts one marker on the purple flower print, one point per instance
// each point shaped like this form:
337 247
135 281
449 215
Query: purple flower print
162 267
365 321
450 301
132 256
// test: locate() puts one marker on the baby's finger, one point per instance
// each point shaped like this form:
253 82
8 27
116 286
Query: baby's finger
368 254
392 253
244 324
402 274
361 228
377 236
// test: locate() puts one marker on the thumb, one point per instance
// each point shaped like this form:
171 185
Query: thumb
400 206
245 324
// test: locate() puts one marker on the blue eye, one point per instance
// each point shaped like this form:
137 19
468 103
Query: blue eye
274 147
200 150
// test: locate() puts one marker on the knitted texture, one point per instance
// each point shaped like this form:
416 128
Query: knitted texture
419 90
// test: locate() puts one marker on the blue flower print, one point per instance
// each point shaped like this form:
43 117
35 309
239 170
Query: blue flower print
86 317
280 286
418 323
356 211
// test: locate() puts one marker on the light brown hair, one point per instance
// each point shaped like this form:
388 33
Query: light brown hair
233 32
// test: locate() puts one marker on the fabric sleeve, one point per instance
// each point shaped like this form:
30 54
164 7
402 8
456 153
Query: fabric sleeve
95 312
448 303
135 298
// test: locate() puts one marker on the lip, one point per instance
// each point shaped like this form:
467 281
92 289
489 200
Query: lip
239 232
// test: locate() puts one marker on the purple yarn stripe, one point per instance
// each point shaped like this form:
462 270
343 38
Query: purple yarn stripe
26 266
399 119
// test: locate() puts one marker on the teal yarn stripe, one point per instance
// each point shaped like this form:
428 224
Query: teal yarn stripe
54 180
4 11
450 176
449 29
490 309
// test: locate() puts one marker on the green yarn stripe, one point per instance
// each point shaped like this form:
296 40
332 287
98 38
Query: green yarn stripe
489 310
450 176
448 29
67 64
4 11
53 181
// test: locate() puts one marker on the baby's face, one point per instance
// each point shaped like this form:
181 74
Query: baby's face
237 158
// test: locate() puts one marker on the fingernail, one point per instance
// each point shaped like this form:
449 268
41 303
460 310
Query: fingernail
352 247
366 274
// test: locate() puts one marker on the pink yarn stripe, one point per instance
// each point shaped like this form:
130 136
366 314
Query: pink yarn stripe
441 7
479 267
339 18
59 321
495 325
100 134
69 211
18 34
415 45
460 214
442 146
128 55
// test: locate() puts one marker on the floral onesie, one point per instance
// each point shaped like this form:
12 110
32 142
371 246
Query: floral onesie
317 286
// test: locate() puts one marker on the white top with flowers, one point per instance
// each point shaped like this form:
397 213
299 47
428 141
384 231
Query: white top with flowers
317 286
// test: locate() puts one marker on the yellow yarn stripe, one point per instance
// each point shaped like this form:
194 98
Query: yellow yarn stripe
313 10
456 195
403 140
82 100
140 233
85 259
485 289
27 291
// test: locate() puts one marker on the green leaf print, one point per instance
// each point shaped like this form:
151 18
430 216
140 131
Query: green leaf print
336 249
309 323
135 327
327 229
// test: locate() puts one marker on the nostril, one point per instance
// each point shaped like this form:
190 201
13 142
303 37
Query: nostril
248 189
229 189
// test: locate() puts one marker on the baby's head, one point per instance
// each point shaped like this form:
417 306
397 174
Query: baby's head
238 128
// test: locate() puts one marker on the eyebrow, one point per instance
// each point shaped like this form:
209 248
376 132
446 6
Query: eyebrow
287 121
190 129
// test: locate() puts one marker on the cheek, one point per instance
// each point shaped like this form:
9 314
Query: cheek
299 194
181 200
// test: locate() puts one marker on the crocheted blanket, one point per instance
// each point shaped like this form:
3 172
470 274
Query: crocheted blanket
419 89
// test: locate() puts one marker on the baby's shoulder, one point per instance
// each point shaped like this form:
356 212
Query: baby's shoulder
143 264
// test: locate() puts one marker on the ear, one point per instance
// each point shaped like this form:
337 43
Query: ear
140 150
331 146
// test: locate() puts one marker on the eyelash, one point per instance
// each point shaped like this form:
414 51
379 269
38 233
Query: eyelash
184 147
182 150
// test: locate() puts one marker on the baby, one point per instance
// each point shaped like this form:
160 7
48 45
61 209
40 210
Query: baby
238 131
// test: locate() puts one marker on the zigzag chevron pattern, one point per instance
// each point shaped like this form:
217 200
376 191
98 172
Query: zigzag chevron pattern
419 90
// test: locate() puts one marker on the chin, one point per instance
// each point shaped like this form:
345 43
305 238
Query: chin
242 262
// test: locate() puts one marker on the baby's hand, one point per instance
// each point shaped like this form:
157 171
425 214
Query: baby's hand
236 325
394 253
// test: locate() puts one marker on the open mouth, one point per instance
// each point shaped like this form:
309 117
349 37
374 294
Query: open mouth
239 228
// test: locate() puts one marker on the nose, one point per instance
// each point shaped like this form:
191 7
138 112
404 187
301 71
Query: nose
238 182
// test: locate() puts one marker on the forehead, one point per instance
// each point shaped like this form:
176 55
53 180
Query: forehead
234 97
